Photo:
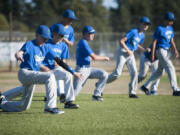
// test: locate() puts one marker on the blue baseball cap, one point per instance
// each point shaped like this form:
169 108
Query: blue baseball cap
44 31
88 29
69 14
145 19
59 29
169 16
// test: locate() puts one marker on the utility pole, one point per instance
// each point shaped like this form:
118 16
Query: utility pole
10 32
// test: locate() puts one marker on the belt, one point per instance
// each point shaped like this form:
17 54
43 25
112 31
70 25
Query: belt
83 66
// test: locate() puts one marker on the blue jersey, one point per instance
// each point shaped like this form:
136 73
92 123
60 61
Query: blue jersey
163 35
83 52
69 30
34 55
61 51
134 38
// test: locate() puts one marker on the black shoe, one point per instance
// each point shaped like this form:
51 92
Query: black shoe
176 93
101 94
70 105
97 98
62 98
133 96
45 99
145 90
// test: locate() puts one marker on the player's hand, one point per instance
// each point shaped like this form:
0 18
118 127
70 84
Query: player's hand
19 57
106 58
78 75
148 50
176 54
130 52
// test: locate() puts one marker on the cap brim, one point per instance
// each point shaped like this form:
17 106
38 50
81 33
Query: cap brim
46 37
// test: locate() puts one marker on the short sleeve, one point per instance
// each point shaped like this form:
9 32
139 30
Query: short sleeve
156 33
25 47
129 34
65 53
87 49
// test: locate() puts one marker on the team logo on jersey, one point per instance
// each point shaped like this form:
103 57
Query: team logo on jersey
38 59
168 34
57 50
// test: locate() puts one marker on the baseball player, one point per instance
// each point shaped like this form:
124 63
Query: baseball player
145 64
84 54
31 56
128 44
68 18
163 41
60 49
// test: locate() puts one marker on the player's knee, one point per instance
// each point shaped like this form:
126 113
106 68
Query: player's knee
105 75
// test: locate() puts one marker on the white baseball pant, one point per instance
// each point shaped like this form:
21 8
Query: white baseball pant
122 59
164 63
63 75
29 79
145 64
91 73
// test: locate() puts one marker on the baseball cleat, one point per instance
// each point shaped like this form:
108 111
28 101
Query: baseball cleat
53 111
176 93
45 99
145 90
70 105
153 93
97 98
62 98
133 96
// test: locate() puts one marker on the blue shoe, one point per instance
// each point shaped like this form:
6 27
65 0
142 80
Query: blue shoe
153 93
145 90
53 111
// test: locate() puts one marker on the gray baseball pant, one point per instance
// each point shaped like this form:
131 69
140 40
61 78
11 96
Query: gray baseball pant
164 63
122 59
29 79
91 73
145 64
63 75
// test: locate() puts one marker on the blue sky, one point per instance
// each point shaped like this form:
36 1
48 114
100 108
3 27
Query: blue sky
107 3
110 3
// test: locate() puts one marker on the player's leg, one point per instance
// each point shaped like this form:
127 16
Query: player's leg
120 61
164 56
60 90
143 68
24 104
78 83
61 74
155 85
131 64
102 77
13 93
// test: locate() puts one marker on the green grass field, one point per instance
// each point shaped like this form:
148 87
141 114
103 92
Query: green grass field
116 115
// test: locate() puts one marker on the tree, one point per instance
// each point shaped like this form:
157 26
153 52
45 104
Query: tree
3 23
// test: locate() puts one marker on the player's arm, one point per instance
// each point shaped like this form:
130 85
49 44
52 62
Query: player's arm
174 47
69 43
19 56
123 44
153 49
97 57
68 68
44 68
141 48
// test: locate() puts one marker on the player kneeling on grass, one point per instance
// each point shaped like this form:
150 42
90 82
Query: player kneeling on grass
128 44
84 54
60 49
31 56
163 41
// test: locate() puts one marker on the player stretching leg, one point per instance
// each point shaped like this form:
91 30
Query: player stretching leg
60 49
128 44
145 64
84 54
163 40
68 18
31 56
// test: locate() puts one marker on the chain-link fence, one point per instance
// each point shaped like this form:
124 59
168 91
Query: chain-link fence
103 44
